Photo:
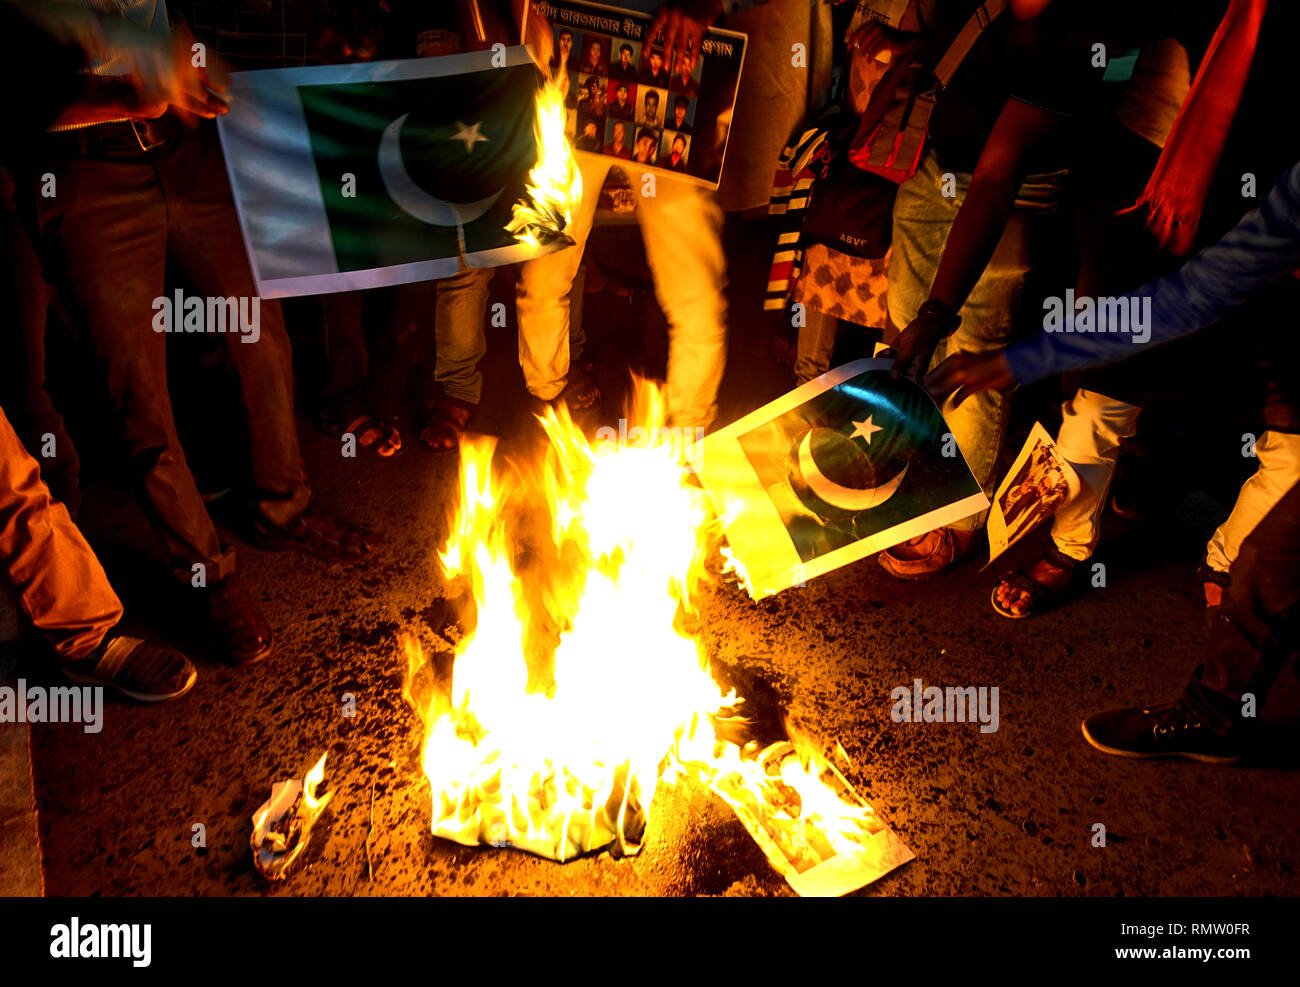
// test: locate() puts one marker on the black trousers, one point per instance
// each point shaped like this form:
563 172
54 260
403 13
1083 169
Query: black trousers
24 299
119 213
1257 630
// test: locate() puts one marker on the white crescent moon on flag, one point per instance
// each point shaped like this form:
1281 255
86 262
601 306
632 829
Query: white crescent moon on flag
836 494
412 199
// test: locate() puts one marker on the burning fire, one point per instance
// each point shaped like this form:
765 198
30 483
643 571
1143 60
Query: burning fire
555 184
579 688
282 825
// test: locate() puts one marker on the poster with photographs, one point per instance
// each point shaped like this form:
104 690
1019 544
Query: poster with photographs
1038 483
625 100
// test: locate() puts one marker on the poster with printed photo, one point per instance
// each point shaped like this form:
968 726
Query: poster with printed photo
673 151
645 146
618 139
620 99
677 117
1038 483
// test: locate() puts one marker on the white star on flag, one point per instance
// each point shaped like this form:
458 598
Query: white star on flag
865 429
470 135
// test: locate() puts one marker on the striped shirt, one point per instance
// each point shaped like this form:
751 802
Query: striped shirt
151 15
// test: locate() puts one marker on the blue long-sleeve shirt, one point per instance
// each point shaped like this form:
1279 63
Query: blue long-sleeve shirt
1260 250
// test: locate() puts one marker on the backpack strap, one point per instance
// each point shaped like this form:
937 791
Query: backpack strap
985 14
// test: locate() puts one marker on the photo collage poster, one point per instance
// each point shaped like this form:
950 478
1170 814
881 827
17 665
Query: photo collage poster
626 102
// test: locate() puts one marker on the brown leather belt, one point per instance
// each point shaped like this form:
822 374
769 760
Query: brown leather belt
125 138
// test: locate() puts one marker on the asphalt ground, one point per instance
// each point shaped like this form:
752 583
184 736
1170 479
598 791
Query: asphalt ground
1005 813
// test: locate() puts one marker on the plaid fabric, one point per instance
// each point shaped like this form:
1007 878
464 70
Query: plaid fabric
790 190
250 34
151 15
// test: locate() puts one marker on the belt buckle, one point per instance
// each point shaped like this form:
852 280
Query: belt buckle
135 129
138 139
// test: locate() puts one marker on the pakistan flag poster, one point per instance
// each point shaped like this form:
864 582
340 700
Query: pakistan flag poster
845 466
378 173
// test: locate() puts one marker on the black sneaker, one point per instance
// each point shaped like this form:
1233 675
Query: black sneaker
1171 730
149 673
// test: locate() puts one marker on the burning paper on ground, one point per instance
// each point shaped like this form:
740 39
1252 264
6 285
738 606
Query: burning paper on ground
845 466
282 825
1038 483
579 687
813 827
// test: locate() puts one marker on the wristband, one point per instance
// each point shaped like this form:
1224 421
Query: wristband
933 308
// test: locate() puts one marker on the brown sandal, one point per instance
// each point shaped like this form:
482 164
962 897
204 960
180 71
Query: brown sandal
377 434
1040 596
349 417
445 423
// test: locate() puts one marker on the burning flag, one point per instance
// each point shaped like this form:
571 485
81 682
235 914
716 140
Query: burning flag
840 468
580 688
380 173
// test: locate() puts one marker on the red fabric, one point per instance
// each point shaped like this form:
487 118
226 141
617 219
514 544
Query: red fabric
860 155
1175 193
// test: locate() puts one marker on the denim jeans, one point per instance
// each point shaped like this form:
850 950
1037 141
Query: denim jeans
815 346
460 331
922 219
457 307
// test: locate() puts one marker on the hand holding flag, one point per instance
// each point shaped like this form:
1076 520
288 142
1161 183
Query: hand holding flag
844 466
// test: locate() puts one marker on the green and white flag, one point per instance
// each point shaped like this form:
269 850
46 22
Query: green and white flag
845 466
380 173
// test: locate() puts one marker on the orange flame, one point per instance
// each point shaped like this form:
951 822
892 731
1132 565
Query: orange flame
555 184
579 689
